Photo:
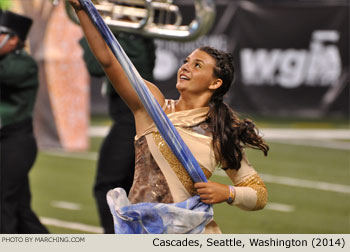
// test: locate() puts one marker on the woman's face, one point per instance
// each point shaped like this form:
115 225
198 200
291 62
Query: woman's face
197 73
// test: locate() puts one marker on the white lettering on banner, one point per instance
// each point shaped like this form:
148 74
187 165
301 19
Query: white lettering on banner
290 68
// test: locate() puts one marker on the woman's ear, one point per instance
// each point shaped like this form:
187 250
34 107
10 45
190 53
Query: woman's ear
216 84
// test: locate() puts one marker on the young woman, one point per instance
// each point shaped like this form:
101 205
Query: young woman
212 131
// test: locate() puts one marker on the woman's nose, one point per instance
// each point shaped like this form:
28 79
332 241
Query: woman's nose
184 67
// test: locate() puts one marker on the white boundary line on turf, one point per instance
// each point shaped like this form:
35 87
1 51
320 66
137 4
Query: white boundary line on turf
71 225
322 138
319 134
279 207
66 205
317 185
314 143
268 133
92 156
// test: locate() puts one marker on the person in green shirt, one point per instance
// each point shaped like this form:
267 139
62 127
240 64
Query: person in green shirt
115 166
18 88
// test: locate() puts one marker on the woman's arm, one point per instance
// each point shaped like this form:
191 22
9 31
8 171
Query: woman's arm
250 190
249 194
111 66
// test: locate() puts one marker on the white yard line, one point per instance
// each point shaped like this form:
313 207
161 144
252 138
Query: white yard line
71 225
307 137
279 207
316 185
314 143
323 138
268 133
320 134
98 131
66 205
76 155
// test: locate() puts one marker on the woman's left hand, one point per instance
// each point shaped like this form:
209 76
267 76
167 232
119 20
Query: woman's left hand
212 192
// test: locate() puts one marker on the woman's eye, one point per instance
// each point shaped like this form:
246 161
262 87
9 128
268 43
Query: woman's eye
185 61
198 65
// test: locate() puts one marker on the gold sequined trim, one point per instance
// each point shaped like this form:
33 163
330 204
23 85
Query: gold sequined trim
256 183
175 164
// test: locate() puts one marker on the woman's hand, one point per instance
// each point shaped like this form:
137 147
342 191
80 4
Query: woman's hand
75 4
212 192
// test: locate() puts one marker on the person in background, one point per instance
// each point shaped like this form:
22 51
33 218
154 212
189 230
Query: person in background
18 149
116 160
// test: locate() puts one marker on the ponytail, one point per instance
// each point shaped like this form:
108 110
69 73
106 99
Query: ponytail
230 134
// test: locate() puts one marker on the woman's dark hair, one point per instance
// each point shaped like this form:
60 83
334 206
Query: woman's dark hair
230 134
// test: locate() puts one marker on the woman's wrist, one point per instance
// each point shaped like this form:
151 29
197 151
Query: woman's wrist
232 195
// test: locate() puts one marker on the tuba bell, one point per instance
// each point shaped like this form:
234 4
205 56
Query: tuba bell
152 18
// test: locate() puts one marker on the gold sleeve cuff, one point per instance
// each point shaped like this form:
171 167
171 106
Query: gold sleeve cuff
255 182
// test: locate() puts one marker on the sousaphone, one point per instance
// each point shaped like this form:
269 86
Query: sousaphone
153 18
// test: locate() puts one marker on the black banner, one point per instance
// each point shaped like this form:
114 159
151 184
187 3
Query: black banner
291 57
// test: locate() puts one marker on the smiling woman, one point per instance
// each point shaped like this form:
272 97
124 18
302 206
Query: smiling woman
212 131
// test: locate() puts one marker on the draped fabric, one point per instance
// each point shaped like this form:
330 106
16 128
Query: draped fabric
189 216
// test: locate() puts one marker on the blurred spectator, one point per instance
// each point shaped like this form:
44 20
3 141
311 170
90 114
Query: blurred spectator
18 88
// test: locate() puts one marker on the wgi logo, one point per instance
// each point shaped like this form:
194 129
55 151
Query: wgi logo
290 68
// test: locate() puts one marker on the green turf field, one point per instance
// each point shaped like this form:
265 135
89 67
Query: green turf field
291 208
